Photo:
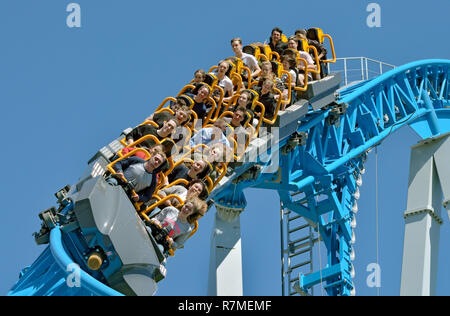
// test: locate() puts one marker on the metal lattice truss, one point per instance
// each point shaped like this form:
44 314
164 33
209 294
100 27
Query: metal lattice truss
320 166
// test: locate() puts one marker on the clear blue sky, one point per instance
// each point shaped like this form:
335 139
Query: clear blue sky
66 92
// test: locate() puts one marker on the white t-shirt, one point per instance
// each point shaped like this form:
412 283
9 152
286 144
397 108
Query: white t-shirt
227 85
306 56
178 229
204 136
138 176
249 61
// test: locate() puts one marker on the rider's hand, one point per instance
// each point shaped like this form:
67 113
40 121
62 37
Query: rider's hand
175 202
120 176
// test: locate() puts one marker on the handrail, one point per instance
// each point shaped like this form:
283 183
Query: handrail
224 172
147 154
392 73
150 122
144 138
316 59
179 162
127 155
277 109
211 111
164 102
213 68
140 140
263 56
332 50
239 78
190 151
194 230
165 110
161 181
176 182
219 103
192 121
188 86
209 184
277 56
232 102
288 101
154 205
171 164
249 77
305 84
261 117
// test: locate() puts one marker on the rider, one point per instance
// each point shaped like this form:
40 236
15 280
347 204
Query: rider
140 174
176 223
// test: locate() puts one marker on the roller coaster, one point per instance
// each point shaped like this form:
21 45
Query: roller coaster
311 151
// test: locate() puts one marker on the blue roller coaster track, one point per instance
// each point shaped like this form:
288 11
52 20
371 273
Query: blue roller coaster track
319 159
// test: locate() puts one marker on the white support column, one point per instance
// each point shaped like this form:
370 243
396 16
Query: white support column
428 189
225 269
442 161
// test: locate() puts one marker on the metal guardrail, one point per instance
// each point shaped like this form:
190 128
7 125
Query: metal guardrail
356 69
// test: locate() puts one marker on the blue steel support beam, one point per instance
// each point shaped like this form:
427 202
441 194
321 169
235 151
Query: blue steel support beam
64 261
375 109
49 275
432 117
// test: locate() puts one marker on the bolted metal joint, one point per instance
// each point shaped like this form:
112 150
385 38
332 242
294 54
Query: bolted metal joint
297 139
429 211
49 220
333 118
251 174
336 111
446 203
62 193
228 213
340 108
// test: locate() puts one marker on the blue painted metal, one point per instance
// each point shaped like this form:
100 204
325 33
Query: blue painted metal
49 274
415 95
63 260
326 168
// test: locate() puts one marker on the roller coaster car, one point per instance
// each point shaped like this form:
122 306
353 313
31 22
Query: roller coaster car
107 217
107 223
